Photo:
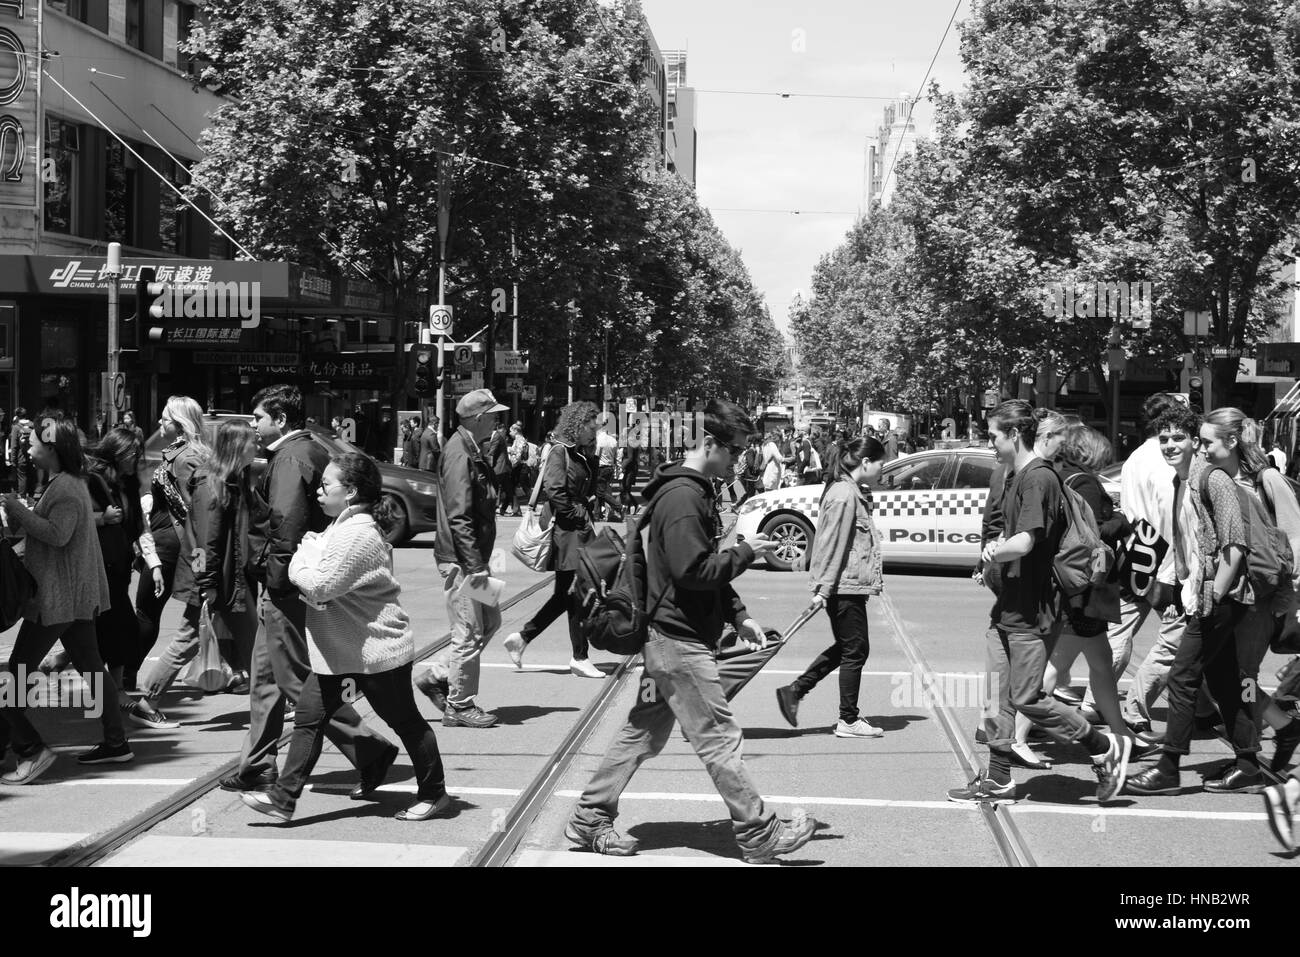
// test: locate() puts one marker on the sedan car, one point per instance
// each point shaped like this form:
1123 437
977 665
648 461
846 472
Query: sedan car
928 507
414 492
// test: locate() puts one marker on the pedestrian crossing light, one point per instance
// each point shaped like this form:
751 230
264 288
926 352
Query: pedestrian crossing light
1196 394
424 371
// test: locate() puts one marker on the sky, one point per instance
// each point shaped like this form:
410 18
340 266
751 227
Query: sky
765 152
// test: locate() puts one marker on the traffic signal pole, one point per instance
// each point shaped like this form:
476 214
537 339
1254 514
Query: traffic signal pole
114 346
444 221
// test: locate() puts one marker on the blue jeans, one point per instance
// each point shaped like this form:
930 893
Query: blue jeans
1016 663
681 682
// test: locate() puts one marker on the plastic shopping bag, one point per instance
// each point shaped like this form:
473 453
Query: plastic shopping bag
208 671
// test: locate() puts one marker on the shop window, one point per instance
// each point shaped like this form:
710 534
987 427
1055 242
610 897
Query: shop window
59 175
174 216
121 178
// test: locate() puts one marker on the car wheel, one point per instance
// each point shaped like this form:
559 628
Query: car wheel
400 533
793 536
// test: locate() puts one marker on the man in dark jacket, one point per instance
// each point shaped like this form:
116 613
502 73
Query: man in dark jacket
430 446
284 510
499 458
414 435
689 595
467 530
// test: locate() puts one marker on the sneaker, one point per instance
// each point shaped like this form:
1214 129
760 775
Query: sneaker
1068 696
1153 781
1112 769
262 803
604 840
787 700
471 717
29 769
107 754
790 836
583 668
984 790
436 691
1236 781
1282 806
515 646
263 781
372 776
858 729
1284 745
153 720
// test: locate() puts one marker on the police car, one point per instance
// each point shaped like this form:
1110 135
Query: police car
928 508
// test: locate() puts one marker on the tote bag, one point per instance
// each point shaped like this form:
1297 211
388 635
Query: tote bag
532 541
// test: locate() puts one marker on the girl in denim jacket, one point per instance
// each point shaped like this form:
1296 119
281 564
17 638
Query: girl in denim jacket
845 568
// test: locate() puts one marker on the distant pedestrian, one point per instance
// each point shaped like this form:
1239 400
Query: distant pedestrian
772 463
608 507
498 453
411 435
21 454
128 422
430 446
517 453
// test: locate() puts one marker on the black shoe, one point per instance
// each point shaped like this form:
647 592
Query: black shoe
1153 781
1284 745
436 691
239 684
1236 781
262 781
107 754
981 737
787 700
373 774
1142 731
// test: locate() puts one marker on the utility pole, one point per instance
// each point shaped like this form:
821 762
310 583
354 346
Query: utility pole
573 309
514 316
114 345
444 222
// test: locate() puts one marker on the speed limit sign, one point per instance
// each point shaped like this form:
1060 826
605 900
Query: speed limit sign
440 320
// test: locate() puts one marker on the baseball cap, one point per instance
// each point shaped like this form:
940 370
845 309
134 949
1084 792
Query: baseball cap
479 402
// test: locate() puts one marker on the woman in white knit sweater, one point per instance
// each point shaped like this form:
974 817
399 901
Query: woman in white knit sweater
359 640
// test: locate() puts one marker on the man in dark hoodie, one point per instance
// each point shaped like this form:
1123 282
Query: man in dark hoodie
688 594
286 509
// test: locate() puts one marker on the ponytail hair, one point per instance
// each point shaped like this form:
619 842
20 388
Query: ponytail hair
1228 423
358 470
850 456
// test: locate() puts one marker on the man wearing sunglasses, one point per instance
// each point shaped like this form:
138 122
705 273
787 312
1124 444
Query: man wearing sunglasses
688 595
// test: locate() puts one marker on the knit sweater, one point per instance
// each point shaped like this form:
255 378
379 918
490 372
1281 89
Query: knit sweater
354 622
62 553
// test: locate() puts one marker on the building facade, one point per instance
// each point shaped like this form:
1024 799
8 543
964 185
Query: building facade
682 114
894 138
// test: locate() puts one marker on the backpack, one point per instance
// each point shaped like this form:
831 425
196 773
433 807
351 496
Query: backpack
610 587
1095 608
1082 560
1269 562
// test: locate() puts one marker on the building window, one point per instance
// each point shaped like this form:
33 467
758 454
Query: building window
121 177
62 144
135 24
70 8
174 217
186 17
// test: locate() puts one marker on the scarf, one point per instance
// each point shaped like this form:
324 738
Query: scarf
165 480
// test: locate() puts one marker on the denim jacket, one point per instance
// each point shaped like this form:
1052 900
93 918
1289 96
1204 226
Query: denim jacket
846 558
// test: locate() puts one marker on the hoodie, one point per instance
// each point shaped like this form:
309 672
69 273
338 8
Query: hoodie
688 591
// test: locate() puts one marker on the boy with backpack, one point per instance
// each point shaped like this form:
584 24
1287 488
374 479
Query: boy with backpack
1027 613
687 595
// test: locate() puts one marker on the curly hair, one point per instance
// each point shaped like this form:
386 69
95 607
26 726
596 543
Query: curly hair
573 417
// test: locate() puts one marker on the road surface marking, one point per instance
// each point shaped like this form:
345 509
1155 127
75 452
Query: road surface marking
579 859
24 848
278 852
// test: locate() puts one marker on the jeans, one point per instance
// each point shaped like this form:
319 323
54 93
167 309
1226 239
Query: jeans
560 602
279 668
1222 650
181 650
506 484
605 493
1153 675
683 684
848 615
79 640
1015 667
472 626
390 694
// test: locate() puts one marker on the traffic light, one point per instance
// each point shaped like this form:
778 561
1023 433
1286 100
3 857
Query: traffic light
133 331
156 293
1196 394
424 371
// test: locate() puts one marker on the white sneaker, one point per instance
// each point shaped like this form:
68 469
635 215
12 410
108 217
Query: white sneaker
858 729
29 769
584 669
515 646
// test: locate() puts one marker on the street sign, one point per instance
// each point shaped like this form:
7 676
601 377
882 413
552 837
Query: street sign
1196 323
514 384
631 405
990 399
464 355
1223 352
529 393
440 320
113 390
511 362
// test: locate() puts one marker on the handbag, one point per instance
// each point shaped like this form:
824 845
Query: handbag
17 586
532 541
207 671
1286 630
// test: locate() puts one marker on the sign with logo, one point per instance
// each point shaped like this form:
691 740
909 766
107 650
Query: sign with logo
1223 352
511 362
313 286
20 59
361 294
113 390
182 334
248 360
514 384
440 320
351 371
463 356
88 275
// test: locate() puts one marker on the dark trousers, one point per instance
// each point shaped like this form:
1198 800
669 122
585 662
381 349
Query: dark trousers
118 629
25 478
605 493
750 482
561 602
848 615
148 608
280 666
1223 650
34 643
390 694
506 482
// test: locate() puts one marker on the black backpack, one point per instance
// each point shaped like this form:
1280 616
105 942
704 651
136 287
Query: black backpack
610 585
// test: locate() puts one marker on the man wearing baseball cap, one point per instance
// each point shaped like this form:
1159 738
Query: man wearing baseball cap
467 530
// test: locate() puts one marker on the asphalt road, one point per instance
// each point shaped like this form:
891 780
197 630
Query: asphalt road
880 801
